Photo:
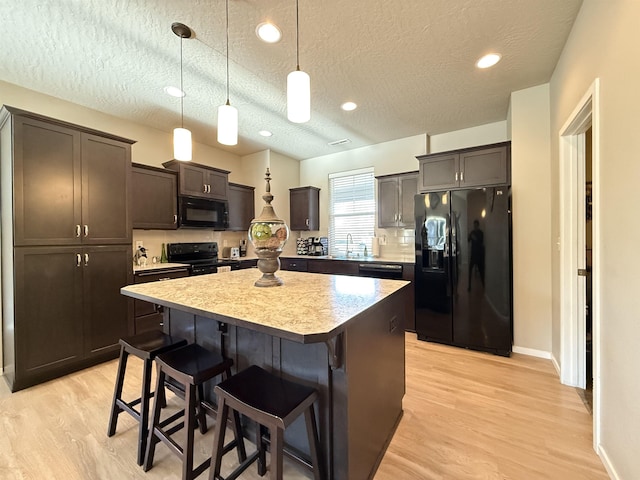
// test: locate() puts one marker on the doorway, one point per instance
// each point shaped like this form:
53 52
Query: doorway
579 257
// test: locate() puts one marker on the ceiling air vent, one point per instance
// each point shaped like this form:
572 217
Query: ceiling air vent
340 142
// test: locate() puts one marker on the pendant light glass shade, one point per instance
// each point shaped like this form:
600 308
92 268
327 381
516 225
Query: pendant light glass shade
181 144
298 97
227 125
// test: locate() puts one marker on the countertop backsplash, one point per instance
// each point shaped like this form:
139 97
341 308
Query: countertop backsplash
153 240
395 242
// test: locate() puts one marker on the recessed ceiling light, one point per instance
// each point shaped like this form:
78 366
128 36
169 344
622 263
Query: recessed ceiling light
488 60
268 32
174 91
265 133
348 106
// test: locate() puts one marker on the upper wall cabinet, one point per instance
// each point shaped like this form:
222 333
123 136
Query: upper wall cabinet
154 202
201 181
241 207
70 185
304 208
395 200
470 167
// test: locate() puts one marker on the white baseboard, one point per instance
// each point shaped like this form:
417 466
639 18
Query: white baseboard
606 461
532 352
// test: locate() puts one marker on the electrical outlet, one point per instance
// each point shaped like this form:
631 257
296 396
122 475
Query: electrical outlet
382 240
224 243
139 244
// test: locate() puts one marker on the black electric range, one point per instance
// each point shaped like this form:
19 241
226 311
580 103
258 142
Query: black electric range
201 256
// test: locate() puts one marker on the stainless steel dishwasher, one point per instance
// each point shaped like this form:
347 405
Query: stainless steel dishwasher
380 270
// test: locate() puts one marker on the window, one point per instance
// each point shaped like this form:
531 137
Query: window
352 210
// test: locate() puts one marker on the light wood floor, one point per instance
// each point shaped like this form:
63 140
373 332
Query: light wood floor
467 415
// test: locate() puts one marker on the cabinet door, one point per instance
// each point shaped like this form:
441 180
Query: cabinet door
241 207
48 312
154 202
297 265
335 267
107 313
46 184
484 167
438 172
193 181
217 185
106 183
408 274
388 202
304 208
408 188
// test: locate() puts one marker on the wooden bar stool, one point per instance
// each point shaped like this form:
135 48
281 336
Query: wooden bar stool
146 346
273 403
191 366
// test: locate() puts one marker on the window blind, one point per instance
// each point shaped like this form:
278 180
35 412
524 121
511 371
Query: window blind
352 211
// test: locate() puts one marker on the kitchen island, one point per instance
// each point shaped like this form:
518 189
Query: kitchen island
340 334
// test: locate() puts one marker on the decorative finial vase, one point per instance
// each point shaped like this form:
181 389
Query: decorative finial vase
268 234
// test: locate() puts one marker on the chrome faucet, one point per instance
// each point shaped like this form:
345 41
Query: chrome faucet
349 237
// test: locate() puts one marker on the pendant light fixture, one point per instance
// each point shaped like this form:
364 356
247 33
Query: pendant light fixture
227 115
181 136
298 88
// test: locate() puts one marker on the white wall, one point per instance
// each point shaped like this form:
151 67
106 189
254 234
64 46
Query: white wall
531 205
603 44
152 146
390 157
285 173
469 137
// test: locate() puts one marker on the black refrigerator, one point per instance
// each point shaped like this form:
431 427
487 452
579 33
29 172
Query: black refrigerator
463 269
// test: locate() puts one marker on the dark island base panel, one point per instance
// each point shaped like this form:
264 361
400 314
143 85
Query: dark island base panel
360 400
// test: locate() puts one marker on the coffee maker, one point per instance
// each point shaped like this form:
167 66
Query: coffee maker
243 248
316 247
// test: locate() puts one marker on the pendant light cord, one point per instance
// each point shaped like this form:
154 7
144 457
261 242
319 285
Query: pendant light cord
181 88
228 53
297 39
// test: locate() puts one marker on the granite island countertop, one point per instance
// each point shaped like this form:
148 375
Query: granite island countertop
308 308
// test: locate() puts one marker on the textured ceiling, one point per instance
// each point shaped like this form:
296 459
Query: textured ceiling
408 64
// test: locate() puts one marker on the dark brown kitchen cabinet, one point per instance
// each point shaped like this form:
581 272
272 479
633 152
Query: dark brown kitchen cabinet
146 315
395 200
106 269
304 208
201 181
295 264
69 313
241 207
70 186
470 167
408 274
66 240
154 198
335 267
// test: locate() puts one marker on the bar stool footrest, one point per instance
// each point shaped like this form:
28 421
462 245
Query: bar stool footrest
241 468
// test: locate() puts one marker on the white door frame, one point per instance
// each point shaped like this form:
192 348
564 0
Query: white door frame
572 247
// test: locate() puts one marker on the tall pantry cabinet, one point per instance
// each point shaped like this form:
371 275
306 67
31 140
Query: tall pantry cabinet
66 246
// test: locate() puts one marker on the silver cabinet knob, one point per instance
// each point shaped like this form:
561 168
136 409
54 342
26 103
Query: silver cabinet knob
86 230
78 231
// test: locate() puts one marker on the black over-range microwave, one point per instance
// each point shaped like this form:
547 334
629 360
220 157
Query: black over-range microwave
203 213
